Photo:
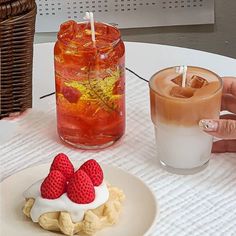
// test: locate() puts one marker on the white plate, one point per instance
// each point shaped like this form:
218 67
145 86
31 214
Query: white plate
139 213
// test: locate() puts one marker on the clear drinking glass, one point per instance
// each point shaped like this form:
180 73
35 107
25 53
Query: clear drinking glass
176 111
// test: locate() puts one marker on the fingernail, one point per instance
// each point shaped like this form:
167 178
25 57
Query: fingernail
208 125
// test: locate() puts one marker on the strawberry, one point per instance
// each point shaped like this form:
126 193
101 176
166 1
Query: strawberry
71 94
94 171
62 163
54 185
119 87
80 188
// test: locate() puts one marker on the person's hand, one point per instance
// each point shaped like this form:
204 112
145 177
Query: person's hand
225 127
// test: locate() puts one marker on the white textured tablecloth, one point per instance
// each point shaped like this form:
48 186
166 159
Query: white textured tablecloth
200 204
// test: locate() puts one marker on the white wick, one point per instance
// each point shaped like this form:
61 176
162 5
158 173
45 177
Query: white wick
184 76
89 16
183 70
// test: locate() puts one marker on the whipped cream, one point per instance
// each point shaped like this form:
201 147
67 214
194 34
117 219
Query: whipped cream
63 203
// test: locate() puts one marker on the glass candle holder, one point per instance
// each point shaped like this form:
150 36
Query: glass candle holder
182 147
90 85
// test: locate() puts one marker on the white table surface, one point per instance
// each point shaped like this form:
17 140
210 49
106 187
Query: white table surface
200 204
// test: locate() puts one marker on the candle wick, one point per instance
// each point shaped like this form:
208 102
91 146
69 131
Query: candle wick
184 76
92 27
89 16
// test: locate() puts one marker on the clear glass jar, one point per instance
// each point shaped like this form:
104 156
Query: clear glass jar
90 85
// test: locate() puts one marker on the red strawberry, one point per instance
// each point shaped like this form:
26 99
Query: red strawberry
71 94
54 185
62 163
119 87
80 188
94 171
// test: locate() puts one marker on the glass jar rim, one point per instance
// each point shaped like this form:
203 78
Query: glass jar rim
82 48
153 77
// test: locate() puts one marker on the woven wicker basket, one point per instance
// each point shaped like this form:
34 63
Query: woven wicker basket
17 28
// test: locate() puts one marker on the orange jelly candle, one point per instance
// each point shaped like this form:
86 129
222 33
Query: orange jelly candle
90 85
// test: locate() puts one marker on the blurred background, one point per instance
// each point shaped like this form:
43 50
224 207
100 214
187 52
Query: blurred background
216 37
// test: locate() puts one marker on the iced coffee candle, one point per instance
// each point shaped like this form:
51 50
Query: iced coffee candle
176 112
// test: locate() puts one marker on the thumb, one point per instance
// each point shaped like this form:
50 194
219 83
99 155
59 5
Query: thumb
225 129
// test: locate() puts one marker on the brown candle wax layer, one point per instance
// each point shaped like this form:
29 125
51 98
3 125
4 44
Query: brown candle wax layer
191 104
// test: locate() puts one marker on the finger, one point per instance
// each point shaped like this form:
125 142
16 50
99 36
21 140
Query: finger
228 103
224 146
225 129
228 116
229 85
17 115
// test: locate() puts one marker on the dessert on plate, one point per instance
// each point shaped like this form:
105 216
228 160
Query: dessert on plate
74 202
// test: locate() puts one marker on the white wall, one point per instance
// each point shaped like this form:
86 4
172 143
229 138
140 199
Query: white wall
219 38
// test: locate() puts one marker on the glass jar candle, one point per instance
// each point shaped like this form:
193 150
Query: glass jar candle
182 147
90 85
